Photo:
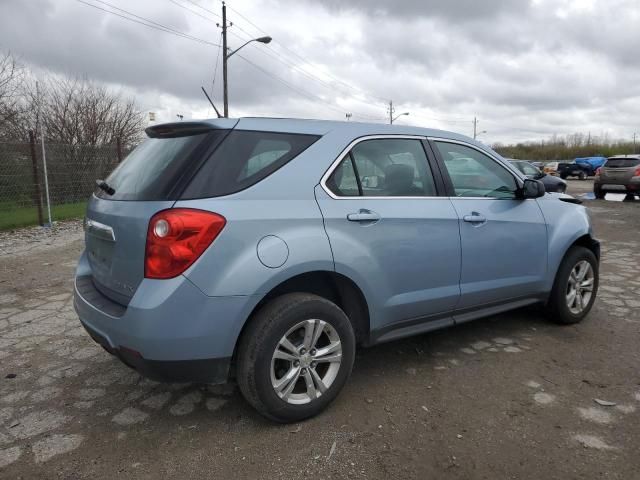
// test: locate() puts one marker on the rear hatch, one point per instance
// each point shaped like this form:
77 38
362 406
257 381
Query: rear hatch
619 169
149 180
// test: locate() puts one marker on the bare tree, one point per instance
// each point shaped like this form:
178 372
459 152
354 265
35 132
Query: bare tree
11 76
79 112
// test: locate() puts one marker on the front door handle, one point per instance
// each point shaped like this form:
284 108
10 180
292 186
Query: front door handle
363 216
475 217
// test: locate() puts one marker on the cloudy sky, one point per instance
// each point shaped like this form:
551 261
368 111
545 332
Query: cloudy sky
526 68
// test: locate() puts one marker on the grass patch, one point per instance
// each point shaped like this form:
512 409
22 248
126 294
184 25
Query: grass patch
16 217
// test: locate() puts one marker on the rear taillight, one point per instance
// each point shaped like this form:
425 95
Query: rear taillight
176 238
636 173
598 171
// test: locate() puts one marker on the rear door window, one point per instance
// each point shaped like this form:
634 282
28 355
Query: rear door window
243 159
385 167
622 162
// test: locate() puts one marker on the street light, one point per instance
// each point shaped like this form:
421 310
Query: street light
478 134
398 116
228 53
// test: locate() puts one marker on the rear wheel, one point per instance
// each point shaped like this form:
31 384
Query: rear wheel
295 357
582 176
575 287
598 193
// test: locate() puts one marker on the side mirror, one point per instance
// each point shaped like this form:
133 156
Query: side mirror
532 188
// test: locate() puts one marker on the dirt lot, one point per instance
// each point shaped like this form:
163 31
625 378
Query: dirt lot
512 396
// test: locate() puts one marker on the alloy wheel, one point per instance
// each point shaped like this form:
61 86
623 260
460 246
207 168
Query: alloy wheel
580 287
306 361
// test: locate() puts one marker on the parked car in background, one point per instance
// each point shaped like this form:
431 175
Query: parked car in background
551 168
591 163
538 165
551 183
566 170
620 174
267 249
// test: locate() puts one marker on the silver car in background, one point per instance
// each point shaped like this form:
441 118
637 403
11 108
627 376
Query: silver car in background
620 174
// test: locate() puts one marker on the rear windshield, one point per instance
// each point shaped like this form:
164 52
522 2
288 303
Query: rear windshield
243 159
622 162
152 169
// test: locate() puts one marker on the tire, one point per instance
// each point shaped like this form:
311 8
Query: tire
598 193
258 372
564 176
582 176
558 305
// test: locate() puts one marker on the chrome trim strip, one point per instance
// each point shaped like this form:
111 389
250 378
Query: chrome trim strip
100 230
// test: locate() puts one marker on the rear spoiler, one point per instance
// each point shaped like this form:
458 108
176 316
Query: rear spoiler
185 129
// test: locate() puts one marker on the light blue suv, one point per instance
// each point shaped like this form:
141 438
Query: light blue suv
265 250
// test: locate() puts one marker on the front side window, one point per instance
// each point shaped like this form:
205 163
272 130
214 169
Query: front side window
474 174
385 168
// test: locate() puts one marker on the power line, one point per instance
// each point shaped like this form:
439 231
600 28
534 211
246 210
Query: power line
291 52
146 22
269 51
304 92
163 28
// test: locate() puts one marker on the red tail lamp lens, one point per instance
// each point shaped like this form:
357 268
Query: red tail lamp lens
176 238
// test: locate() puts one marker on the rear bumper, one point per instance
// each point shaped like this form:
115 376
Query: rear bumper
170 331
618 185
211 370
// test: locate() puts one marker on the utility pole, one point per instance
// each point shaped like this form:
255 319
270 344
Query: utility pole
475 127
391 110
224 60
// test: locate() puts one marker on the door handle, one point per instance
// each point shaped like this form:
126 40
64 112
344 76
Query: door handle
475 217
363 216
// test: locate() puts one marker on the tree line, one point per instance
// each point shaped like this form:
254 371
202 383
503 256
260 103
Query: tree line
568 147
68 110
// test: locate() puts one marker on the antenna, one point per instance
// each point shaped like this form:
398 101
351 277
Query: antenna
211 102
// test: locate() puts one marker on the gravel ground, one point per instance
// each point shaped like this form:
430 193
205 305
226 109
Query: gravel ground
512 396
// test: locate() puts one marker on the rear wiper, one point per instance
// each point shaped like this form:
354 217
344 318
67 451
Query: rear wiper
102 185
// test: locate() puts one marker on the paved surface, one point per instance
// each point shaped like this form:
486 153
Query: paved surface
512 396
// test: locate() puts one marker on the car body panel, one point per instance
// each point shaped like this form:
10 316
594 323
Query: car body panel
408 261
492 264
566 223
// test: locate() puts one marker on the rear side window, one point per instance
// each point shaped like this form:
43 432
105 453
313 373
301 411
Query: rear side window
622 162
243 159
152 169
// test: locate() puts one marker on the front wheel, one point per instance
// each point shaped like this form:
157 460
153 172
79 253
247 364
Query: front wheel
295 356
575 287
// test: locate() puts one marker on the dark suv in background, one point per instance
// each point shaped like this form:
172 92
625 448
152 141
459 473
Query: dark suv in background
566 170
619 174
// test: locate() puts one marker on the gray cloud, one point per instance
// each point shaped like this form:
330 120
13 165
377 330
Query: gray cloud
526 68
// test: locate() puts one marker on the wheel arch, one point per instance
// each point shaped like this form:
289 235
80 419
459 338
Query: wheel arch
333 286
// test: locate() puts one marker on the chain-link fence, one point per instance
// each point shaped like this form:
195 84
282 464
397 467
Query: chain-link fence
71 172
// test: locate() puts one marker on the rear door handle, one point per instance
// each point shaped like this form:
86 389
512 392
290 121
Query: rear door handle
363 216
474 218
